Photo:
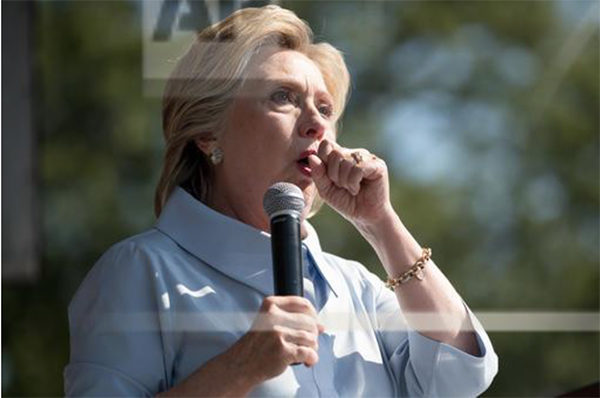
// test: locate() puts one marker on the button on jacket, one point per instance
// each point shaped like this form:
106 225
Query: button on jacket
157 306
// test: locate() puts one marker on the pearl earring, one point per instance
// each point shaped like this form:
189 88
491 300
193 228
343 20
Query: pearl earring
216 156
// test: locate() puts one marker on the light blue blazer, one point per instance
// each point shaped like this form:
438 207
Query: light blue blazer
159 305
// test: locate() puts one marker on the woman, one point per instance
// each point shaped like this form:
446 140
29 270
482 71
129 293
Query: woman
187 308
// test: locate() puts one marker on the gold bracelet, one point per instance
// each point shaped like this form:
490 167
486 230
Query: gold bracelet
416 271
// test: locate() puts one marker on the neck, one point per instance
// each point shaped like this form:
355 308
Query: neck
246 212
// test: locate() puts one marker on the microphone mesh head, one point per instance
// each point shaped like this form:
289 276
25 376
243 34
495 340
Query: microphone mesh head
283 196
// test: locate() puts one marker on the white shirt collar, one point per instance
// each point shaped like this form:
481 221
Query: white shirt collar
236 249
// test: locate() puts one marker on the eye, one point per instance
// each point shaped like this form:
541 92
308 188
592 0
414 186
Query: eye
284 97
326 110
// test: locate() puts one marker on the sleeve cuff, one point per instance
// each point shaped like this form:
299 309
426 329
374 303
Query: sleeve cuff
444 370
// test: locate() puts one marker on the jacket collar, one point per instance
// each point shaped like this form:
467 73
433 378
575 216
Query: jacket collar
233 248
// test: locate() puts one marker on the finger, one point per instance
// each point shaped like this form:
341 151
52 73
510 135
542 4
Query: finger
300 337
333 163
276 318
290 311
294 304
373 167
319 173
354 179
325 148
345 169
297 322
321 328
305 355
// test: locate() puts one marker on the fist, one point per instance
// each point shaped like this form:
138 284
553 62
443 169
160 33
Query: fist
352 181
284 332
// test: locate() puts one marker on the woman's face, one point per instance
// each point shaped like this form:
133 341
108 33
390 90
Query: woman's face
280 115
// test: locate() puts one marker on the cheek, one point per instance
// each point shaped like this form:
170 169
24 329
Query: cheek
258 138
331 134
268 141
247 134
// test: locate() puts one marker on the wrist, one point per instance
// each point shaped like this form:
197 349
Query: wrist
375 229
396 248
223 375
240 364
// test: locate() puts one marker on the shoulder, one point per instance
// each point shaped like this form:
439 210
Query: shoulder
129 256
149 243
139 253
128 270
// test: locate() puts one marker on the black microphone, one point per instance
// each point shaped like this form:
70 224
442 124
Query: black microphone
284 203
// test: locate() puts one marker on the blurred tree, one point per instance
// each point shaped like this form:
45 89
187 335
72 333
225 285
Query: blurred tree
98 158
490 128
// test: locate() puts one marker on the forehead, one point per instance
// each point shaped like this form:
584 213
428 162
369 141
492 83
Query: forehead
272 63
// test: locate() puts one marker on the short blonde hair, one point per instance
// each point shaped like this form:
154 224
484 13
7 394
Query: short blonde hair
206 79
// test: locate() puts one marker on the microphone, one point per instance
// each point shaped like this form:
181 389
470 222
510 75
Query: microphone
284 203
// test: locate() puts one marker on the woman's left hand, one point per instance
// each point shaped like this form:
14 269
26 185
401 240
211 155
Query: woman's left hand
352 181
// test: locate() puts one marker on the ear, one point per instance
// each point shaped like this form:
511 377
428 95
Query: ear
206 144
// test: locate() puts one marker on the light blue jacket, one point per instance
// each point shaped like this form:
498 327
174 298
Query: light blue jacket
158 305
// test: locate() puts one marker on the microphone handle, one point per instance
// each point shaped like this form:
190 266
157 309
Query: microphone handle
286 250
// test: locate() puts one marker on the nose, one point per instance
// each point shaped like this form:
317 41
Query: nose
313 126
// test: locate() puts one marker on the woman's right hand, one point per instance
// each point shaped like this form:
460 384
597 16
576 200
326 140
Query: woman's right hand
284 332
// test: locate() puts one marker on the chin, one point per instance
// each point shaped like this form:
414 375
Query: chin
305 184
309 191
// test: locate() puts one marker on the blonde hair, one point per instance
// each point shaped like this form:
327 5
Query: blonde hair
206 79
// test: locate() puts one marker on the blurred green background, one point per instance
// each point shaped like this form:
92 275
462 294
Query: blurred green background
487 113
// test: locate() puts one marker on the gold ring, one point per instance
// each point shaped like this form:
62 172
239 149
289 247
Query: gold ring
357 156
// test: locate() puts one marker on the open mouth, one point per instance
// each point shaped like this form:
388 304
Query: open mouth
303 164
304 161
